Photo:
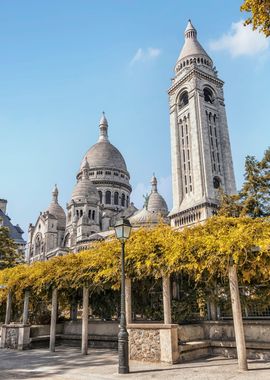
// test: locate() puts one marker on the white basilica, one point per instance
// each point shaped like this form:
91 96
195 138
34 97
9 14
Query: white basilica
201 165
100 197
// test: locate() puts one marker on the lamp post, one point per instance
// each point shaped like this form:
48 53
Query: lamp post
122 231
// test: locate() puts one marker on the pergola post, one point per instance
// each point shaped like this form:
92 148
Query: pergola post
128 300
85 320
53 320
237 319
166 300
8 308
25 307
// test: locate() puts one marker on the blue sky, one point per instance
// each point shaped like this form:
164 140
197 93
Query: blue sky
63 62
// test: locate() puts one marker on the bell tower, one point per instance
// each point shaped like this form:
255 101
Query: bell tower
200 145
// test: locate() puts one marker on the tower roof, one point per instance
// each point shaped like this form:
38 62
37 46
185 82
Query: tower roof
191 47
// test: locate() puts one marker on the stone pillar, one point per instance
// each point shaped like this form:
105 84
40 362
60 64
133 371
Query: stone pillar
85 321
167 300
8 308
237 319
25 307
128 299
53 320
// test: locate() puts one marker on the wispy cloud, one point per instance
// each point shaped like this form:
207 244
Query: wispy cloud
241 41
144 55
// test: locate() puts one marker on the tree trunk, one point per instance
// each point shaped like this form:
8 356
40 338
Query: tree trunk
237 319
53 320
167 300
25 307
8 308
85 321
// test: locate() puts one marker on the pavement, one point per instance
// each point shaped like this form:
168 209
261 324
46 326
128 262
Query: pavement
67 363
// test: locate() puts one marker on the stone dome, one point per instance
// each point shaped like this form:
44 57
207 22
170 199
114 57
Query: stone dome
144 217
84 188
56 210
104 155
154 211
156 203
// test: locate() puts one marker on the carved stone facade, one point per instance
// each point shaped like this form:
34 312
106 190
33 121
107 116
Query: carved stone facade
200 144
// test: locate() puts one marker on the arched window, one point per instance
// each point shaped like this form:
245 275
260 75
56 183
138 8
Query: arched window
108 197
216 182
123 199
100 196
81 212
127 200
183 100
89 214
116 198
208 95
93 214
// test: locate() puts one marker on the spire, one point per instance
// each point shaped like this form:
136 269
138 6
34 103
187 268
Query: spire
103 128
55 194
190 31
85 169
154 184
192 48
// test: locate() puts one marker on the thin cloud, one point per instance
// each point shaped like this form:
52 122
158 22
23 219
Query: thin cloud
241 41
142 55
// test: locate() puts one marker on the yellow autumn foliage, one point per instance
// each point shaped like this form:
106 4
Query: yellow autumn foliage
202 251
260 14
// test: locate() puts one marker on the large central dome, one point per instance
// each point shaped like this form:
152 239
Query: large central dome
103 154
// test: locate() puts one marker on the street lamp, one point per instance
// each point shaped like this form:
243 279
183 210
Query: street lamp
122 231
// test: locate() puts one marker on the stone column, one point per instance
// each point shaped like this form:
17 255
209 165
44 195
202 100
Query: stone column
85 321
53 320
237 319
25 307
8 308
128 299
167 300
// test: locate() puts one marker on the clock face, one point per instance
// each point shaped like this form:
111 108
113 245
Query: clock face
216 182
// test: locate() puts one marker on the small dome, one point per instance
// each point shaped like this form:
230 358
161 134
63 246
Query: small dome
56 210
84 188
156 203
146 218
155 210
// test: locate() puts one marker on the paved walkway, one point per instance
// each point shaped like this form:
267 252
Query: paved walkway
69 364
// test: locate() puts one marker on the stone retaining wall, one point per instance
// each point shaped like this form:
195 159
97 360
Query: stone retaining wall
153 342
